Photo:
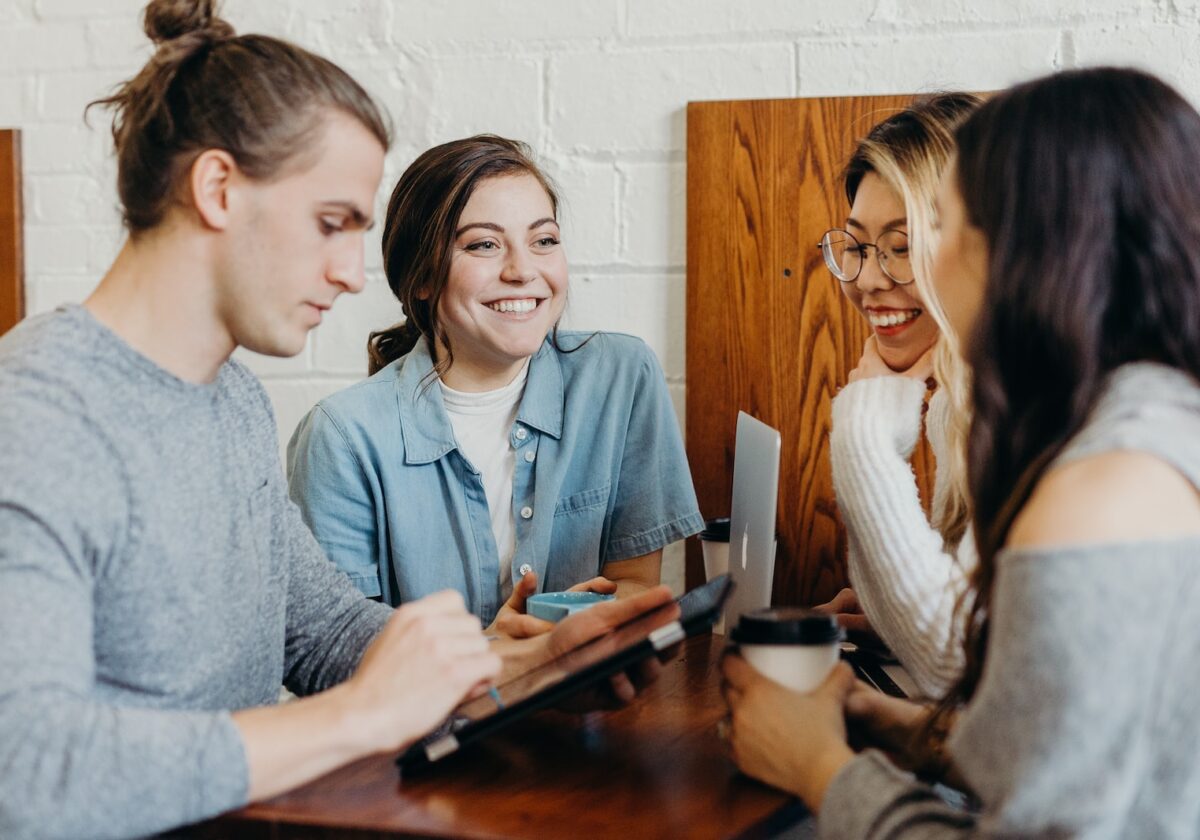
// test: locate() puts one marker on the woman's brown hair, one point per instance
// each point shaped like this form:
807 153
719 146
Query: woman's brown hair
1085 187
418 237
258 98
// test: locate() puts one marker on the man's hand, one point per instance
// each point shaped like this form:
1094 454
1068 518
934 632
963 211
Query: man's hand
512 620
428 657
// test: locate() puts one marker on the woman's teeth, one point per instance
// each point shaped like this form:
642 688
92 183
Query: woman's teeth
526 305
892 319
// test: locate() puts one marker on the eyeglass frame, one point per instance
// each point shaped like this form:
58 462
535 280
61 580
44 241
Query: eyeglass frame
862 261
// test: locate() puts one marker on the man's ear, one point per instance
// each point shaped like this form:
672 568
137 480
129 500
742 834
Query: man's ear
212 174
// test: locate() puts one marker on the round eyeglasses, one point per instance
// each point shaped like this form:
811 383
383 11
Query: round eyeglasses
844 255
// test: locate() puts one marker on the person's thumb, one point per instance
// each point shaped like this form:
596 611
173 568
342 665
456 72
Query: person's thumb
525 587
839 683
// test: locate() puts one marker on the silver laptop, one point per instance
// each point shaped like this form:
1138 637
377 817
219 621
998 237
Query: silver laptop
752 520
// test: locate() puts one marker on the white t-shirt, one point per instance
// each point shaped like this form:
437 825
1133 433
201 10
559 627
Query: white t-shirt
482 423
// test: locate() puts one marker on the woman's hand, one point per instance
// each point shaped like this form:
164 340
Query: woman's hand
872 364
795 742
512 621
849 613
898 727
523 655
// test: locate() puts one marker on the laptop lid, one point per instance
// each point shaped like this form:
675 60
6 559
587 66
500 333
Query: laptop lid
752 519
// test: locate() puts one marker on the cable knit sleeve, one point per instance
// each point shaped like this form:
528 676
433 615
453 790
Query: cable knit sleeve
906 582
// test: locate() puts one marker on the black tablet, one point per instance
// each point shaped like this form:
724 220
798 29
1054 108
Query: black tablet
553 681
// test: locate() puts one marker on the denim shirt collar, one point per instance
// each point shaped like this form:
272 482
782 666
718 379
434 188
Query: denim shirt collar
425 424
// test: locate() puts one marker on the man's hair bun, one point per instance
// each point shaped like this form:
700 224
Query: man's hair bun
167 20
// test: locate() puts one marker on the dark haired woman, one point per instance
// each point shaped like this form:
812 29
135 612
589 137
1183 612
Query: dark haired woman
490 452
1068 268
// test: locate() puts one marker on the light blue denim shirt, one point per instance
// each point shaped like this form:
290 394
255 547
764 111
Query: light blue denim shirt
601 475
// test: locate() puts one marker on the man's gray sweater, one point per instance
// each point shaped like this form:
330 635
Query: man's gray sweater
153 577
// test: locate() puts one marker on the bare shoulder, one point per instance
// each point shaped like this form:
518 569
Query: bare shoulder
1118 496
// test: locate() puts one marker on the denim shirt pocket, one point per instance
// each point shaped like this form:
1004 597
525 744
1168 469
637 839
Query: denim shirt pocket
576 536
583 501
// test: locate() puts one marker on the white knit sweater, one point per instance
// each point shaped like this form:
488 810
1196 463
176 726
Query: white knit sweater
906 582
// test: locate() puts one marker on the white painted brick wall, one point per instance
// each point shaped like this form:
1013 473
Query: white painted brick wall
598 87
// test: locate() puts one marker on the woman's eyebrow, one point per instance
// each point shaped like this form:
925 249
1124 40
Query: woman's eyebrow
899 221
487 225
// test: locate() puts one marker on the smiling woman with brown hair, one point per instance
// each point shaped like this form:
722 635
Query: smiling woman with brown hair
491 452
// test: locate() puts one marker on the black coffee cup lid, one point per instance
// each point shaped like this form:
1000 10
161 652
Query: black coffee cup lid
786 626
716 530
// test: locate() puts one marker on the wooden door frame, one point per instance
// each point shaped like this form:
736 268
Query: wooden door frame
12 257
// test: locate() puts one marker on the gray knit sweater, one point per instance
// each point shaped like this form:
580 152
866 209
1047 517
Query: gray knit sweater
1085 721
153 576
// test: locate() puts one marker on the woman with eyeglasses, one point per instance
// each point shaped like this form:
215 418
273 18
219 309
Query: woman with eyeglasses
905 571
1068 269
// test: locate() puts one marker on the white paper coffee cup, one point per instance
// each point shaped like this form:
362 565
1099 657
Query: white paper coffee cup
795 647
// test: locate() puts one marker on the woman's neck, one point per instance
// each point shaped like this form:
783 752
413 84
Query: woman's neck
471 376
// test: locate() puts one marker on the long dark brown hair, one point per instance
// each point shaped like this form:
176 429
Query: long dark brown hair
418 237
258 98
1086 189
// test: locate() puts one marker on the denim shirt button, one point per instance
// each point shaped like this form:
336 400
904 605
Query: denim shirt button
529 456
521 433
525 569
527 512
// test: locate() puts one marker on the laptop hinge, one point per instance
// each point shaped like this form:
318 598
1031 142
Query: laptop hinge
664 637
441 748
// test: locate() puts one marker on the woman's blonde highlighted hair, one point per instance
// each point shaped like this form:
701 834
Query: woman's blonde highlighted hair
909 151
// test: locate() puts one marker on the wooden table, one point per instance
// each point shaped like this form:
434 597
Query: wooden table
653 769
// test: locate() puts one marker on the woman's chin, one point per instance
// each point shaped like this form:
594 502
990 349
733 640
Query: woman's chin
902 358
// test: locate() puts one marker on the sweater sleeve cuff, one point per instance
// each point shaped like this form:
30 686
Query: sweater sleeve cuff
871 797
881 406
860 795
223 769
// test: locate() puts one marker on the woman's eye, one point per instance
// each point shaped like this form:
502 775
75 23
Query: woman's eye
547 242
485 245
330 226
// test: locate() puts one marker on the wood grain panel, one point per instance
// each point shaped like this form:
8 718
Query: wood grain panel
12 261
768 330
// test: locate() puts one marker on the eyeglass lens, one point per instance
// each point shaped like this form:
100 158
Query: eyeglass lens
844 255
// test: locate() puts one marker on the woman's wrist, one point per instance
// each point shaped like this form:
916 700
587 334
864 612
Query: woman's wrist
813 784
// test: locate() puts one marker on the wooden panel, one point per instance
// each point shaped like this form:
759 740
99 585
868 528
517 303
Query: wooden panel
768 330
12 261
